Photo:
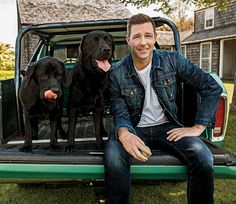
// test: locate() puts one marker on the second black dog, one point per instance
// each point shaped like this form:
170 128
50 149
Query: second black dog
89 80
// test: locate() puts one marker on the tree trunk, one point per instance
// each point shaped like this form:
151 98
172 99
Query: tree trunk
233 105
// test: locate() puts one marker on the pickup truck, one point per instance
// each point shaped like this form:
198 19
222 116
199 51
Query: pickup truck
85 164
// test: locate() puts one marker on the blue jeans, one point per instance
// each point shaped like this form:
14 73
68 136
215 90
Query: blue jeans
191 150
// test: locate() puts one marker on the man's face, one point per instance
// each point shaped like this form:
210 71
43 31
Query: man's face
141 40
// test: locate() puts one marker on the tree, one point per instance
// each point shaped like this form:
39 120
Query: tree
7 55
165 5
181 15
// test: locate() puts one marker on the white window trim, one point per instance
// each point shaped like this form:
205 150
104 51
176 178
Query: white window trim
185 48
210 58
213 18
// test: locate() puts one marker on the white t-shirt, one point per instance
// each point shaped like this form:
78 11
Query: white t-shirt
152 113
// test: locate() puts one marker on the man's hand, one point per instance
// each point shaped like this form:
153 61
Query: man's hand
178 133
133 145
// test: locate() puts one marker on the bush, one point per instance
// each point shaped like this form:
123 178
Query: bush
7 56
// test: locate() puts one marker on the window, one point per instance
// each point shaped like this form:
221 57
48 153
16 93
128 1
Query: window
183 48
66 53
166 47
205 56
209 18
121 50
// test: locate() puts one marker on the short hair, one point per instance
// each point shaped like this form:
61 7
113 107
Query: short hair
139 19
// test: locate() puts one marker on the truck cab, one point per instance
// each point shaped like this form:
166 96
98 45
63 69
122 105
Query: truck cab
62 40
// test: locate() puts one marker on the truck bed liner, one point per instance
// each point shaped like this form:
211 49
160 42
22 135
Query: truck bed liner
86 153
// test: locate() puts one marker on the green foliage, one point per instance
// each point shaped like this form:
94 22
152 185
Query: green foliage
7 55
165 5
6 74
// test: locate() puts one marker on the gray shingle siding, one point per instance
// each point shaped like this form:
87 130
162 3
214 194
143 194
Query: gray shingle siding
222 18
193 53
199 21
215 56
226 17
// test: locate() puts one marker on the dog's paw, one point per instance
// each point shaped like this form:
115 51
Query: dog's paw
55 148
69 148
63 135
26 148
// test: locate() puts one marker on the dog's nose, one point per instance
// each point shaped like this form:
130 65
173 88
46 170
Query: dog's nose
55 90
106 50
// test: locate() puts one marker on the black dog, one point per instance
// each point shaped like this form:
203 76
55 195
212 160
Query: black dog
89 80
41 97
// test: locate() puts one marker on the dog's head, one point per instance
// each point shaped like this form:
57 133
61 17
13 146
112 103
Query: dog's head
97 49
49 75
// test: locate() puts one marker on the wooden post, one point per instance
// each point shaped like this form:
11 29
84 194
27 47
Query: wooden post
233 104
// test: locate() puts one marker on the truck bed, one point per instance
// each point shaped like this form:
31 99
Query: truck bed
86 151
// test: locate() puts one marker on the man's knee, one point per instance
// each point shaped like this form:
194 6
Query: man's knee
203 156
115 157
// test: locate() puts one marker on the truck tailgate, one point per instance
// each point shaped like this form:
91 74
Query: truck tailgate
42 165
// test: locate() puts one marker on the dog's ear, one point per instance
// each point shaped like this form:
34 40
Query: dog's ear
80 49
28 73
23 72
67 79
112 48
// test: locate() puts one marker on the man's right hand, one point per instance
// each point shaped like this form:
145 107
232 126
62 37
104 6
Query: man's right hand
133 144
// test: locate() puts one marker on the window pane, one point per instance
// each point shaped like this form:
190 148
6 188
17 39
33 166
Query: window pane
209 17
121 51
209 23
205 64
205 50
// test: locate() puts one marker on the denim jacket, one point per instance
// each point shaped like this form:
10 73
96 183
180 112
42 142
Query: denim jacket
168 69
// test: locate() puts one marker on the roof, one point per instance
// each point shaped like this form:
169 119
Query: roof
44 11
212 34
167 38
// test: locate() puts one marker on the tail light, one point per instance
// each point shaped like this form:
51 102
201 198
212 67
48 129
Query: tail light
220 118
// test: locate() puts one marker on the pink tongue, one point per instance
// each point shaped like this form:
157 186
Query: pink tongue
104 65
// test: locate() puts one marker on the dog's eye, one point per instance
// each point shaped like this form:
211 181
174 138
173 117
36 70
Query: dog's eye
59 78
43 76
94 41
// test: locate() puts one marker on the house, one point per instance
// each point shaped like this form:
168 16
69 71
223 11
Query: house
166 39
213 42
45 11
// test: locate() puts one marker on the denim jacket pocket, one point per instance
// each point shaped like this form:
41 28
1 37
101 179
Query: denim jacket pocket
133 96
166 87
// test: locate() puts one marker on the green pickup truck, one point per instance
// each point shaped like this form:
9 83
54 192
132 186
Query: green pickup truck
85 164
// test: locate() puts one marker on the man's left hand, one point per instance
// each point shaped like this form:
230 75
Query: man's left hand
178 133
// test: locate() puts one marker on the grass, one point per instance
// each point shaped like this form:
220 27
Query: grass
230 88
162 192
6 74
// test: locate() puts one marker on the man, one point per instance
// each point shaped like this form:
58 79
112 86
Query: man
143 89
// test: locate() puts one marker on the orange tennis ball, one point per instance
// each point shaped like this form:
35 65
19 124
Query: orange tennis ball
49 94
